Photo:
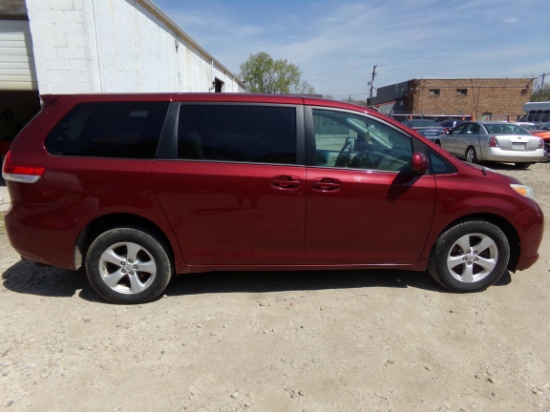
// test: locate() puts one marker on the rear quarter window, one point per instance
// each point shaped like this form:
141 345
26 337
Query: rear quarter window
109 129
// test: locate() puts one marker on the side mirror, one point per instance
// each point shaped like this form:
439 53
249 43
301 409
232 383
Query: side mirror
419 163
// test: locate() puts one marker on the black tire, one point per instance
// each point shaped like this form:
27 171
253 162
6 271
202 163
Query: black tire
470 155
482 263
128 265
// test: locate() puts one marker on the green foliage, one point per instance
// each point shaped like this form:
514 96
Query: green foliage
263 74
541 96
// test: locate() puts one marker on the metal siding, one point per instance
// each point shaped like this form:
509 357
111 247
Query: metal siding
16 60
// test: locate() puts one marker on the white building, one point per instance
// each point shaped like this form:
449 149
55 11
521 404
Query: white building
96 46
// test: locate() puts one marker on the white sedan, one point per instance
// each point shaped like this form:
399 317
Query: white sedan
495 142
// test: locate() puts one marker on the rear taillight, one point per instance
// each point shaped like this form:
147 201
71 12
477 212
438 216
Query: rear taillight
541 144
21 172
493 142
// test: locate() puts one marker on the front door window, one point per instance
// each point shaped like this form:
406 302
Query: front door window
350 141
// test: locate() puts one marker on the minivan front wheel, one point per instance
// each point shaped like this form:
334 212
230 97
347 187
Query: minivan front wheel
128 265
469 256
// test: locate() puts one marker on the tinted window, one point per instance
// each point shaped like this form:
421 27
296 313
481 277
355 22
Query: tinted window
471 128
459 129
424 123
238 133
438 165
109 129
349 140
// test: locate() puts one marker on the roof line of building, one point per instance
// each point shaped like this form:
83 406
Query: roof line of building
153 8
472 78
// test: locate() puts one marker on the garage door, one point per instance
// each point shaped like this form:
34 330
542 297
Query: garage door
17 70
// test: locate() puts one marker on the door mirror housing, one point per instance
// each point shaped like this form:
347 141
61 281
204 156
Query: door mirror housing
419 163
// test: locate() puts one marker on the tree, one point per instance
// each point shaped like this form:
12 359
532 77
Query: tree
541 95
355 101
305 88
263 74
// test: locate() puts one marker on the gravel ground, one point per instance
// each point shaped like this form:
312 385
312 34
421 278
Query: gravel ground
319 341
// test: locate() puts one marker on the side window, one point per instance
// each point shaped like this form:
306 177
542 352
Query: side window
353 141
237 133
472 128
109 129
459 129
438 165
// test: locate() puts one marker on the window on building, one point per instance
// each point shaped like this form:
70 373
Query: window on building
435 92
461 92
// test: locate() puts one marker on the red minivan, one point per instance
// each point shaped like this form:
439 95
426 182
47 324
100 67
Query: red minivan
138 187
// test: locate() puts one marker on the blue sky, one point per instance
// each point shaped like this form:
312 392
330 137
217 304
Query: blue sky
336 43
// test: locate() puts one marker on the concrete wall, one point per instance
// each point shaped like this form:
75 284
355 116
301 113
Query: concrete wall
390 93
91 46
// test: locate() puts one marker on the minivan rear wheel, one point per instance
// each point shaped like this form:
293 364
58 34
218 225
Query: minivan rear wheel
128 265
469 256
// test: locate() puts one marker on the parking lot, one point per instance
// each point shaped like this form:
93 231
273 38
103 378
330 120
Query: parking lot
287 341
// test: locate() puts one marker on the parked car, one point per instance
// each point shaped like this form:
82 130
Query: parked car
494 141
136 188
544 133
428 128
447 125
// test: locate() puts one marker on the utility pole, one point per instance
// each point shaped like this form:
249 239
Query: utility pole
542 85
372 81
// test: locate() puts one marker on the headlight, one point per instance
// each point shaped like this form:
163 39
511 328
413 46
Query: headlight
526 191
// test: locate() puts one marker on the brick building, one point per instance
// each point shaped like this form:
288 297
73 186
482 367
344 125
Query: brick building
488 99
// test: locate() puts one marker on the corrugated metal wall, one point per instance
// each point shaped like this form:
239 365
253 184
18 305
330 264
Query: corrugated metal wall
17 71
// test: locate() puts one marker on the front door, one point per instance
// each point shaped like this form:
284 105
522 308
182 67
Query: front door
468 137
364 205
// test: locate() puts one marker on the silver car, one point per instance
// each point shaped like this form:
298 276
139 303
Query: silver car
495 142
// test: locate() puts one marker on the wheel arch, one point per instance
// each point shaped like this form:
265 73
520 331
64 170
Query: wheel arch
503 224
106 222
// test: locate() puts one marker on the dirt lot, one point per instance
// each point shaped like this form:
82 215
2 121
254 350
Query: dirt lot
330 341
